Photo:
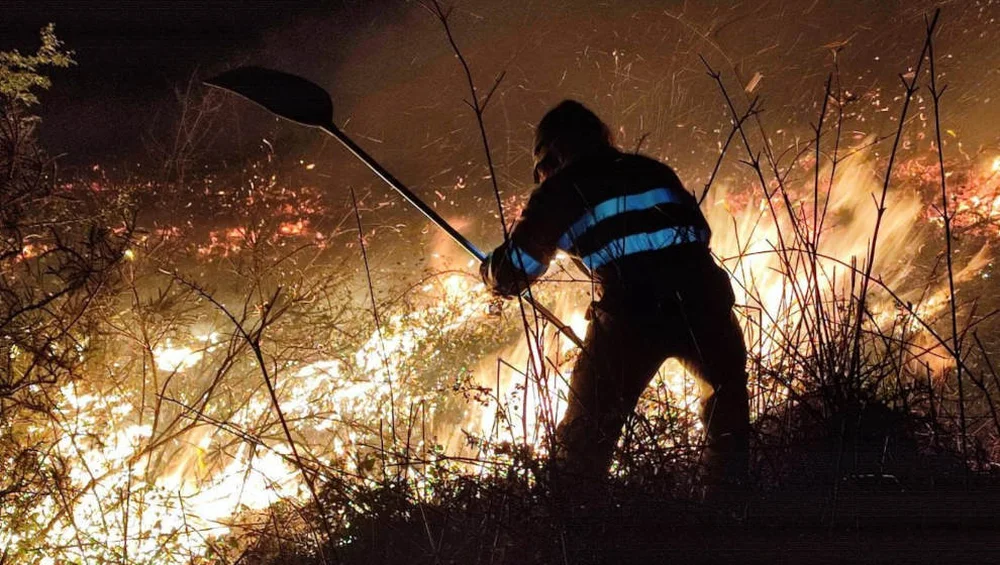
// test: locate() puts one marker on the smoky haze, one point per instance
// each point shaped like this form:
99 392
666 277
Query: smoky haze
399 90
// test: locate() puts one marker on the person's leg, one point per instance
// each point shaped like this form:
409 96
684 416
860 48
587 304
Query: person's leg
716 355
618 361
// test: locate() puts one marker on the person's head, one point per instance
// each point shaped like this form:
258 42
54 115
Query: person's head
566 133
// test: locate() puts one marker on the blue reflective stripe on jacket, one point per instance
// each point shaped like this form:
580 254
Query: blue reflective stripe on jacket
526 263
637 243
602 207
613 207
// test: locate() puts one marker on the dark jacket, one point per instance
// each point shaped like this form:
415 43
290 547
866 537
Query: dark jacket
627 220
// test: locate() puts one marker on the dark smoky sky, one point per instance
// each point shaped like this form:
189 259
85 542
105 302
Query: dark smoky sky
398 89
132 55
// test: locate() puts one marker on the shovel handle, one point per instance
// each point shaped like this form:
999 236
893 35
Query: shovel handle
399 187
433 216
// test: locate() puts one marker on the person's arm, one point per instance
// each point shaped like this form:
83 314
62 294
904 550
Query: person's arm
512 266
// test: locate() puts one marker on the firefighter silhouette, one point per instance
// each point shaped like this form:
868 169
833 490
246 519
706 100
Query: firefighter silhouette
627 220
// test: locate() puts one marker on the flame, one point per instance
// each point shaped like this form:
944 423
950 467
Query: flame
171 358
297 227
165 507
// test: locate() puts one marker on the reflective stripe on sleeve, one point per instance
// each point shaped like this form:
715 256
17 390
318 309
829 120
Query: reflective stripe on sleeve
525 262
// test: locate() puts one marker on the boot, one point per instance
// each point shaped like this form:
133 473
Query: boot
726 460
726 473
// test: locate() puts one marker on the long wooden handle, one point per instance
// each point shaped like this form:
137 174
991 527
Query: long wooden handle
433 216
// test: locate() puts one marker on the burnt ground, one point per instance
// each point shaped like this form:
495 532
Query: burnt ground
952 526
868 520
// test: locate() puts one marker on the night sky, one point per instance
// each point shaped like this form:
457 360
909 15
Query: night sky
131 55
398 88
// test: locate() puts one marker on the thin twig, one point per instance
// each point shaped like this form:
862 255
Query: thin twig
378 321
254 342
936 95
910 89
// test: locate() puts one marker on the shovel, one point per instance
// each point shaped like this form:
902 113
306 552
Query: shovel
304 102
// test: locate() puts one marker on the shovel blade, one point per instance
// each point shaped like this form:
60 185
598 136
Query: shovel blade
289 96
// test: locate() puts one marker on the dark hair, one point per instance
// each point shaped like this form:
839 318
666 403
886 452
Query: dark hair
567 132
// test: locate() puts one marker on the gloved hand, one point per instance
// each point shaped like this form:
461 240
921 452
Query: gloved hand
497 300
491 269
484 270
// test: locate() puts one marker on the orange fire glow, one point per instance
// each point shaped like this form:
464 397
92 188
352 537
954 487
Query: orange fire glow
337 402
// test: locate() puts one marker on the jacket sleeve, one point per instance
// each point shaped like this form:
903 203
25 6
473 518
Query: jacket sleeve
515 264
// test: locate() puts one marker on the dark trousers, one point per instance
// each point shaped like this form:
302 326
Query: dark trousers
621 354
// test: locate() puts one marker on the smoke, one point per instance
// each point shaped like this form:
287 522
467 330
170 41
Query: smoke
399 89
